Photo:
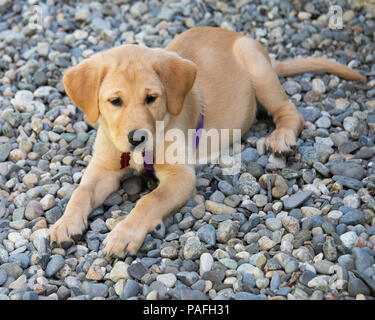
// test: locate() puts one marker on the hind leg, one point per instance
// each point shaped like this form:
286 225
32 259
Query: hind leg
268 90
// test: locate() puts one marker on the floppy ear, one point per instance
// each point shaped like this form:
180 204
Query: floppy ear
82 84
177 76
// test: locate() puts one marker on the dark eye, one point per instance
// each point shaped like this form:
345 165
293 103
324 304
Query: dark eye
150 99
116 102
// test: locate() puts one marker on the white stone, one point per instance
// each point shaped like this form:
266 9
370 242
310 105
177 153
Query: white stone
248 268
286 246
80 34
318 85
23 98
14 237
43 91
334 215
169 279
119 286
47 202
273 224
342 103
352 201
42 49
119 271
260 200
206 262
138 9
309 211
349 239
319 283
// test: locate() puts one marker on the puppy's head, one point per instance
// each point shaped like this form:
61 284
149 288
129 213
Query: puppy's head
130 88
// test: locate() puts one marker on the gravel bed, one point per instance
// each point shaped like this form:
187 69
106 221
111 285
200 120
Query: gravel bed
301 227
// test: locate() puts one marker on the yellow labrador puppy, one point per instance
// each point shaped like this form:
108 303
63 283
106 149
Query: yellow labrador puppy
131 87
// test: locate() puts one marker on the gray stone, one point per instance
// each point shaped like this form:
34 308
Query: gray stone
324 266
138 9
12 269
94 289
113 199
226 188
313 156
22 258
306 276
186 223
137 270
98 225
362 259
226 230
367 280
193 248
188 294
247 296
63 293
357 286
275 281
53 215
217 196
30 295
3 207
249 155
348 169
199 285
291 87
132 186
188 277
291 266
296 199
4 151
33 210
329 249
323 122
349 183
3 277
207 234
273 224
131 289
347 147
98 25
321 168
247 185
351 218
54 265
166 14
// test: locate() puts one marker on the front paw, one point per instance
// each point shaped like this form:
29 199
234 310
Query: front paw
281 141
126 238
66 230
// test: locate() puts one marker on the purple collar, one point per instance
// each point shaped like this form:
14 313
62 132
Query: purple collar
148 162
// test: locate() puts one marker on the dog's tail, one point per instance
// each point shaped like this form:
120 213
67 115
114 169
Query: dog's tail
315 65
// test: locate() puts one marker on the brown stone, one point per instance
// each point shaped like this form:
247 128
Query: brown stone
278 184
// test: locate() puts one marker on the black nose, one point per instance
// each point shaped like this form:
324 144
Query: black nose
136 137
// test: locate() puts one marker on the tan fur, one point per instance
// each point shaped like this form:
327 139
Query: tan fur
316 65
210 69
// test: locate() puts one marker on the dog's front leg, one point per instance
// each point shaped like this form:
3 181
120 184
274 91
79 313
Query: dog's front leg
97 183
176 186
